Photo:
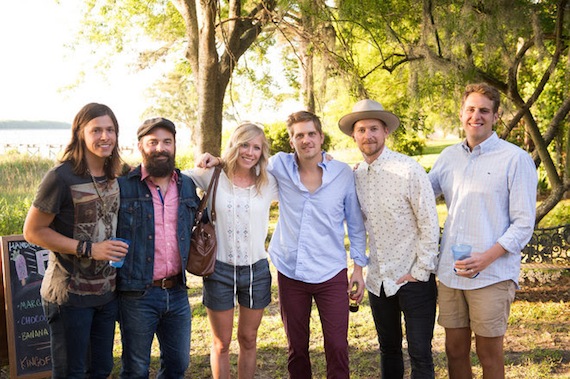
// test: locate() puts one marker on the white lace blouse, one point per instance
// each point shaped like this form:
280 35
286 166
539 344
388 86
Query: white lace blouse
242 217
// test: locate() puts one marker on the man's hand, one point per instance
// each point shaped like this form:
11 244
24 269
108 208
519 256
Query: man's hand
473 265
406 279
109 250
356 278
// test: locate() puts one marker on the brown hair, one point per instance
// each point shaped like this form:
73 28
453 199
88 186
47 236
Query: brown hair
486 90
75 150
245 132
303 116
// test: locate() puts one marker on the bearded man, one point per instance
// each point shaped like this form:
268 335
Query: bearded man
156 214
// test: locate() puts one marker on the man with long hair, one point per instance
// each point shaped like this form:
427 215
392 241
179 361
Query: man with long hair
74 215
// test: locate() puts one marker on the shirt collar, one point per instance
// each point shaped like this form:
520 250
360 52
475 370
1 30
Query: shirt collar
483 147
323 163
377 163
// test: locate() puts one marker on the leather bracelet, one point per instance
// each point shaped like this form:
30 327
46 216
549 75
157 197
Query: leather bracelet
79 248
88 249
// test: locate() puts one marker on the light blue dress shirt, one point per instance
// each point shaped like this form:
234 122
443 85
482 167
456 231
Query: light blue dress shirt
308 242
490 194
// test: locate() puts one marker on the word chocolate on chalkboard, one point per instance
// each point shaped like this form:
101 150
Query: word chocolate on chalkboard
23 266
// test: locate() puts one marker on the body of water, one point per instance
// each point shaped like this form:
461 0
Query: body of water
50 142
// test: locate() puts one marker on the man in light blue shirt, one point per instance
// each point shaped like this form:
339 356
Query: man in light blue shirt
489 186
316 198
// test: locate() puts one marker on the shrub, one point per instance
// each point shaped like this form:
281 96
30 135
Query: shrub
539 277
13 214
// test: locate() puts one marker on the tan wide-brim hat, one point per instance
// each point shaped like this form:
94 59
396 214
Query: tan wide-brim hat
368 109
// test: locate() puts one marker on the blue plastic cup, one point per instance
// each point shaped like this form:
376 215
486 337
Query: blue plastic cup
460 252
120 263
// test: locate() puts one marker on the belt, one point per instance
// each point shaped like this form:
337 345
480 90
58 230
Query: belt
168 283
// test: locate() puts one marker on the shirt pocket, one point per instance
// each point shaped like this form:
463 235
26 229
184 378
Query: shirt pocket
189 206
130 218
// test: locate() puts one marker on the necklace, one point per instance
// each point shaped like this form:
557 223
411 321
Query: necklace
96 186
106 216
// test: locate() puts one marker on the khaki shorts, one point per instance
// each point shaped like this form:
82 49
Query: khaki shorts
484 310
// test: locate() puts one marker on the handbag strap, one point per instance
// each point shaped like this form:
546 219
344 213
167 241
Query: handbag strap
214 187
204 201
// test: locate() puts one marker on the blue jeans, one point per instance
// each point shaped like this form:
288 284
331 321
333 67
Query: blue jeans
417 301
81 339
165 312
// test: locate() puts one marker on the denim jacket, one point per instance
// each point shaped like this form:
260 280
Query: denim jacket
136 223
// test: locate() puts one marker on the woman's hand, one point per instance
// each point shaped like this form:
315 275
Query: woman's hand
207 160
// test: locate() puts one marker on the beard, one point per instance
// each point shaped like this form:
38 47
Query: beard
156 167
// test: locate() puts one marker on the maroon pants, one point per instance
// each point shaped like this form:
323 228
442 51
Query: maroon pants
295 299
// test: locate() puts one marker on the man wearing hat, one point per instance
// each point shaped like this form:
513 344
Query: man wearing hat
398 205
156 215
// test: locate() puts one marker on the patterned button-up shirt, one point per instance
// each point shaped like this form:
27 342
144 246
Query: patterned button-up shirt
399 210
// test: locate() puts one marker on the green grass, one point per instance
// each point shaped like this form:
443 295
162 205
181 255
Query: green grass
20 177
559 215
536 345
432 150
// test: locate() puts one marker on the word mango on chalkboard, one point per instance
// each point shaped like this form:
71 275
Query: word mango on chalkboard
23 266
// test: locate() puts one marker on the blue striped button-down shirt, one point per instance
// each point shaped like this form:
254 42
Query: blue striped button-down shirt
308 242
490 194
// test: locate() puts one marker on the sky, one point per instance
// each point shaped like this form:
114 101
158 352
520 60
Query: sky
41 63
37 66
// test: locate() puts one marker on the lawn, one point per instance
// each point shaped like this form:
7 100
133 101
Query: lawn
537 344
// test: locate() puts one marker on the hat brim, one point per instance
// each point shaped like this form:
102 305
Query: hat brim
346 123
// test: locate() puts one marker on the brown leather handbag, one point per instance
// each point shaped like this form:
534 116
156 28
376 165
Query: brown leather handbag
202 255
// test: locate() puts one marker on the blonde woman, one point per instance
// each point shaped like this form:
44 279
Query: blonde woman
243 198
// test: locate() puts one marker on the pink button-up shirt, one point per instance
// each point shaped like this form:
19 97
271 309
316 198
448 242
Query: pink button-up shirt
167 261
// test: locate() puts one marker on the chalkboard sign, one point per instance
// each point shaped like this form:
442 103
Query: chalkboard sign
23 267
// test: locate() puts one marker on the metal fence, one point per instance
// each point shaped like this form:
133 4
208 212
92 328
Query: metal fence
548 246
51 151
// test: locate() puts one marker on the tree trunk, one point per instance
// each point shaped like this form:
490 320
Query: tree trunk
308 83
207 35
209 128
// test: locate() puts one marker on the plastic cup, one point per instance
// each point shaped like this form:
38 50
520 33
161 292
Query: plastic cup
460 252
120 263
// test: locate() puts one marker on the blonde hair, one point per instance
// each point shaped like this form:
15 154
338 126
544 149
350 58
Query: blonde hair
244 133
